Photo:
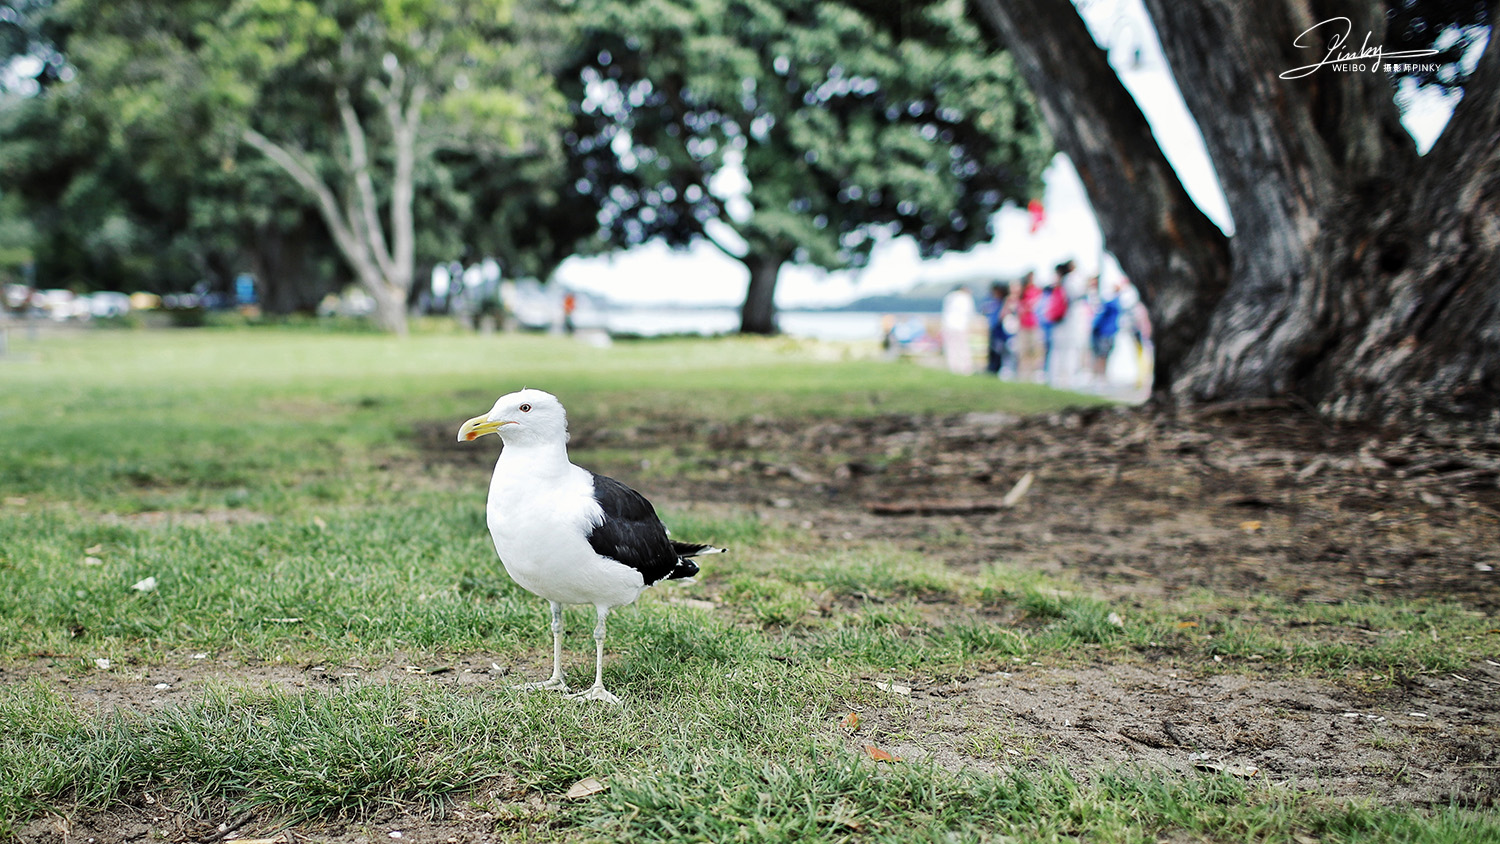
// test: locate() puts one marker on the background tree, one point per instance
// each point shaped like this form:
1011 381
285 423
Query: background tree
141 169
1362 276
120 165
85 161
844 132
351 98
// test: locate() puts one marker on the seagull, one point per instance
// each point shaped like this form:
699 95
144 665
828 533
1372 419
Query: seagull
567 534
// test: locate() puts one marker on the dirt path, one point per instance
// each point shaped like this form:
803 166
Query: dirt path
1238 501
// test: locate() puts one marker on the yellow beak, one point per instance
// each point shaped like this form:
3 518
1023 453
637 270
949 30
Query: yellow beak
478 427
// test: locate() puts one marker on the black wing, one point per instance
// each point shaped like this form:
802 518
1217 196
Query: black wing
632 534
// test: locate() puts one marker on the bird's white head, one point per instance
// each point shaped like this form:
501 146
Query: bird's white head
525 417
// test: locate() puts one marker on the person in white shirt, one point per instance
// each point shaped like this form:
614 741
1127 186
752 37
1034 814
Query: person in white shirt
959 314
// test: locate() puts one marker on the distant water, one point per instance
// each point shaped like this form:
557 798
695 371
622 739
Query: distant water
820 325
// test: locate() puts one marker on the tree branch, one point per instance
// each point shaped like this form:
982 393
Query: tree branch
301 170
359 164
1289 145
722 247
403 193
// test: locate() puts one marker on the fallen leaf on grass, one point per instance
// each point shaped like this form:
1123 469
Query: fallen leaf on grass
1250 526
1018 491
880 755
850 723
586 787
1183 625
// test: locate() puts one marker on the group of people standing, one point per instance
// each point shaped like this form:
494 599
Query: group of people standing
1061 332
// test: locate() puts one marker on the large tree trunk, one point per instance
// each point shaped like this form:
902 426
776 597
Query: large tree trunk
758 314
1174 254
1362 278
1432 330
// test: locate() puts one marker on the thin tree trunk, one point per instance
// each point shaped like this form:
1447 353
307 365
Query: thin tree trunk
384 266
390 308
758 314
288 278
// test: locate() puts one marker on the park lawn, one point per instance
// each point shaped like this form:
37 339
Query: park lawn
254 497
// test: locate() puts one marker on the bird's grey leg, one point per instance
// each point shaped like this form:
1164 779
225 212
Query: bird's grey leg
597 691
556 680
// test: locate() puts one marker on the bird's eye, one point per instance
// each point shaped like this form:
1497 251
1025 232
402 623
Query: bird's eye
525 408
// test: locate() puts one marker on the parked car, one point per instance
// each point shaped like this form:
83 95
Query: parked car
108 303
59 305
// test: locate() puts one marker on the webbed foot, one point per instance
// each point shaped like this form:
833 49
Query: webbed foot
596 692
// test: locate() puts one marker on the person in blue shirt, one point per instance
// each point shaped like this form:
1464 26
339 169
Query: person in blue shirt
994 310
1106 326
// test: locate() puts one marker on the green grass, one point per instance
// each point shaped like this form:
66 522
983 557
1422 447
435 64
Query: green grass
272 484
727 761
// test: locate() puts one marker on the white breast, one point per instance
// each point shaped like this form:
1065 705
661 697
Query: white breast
540 514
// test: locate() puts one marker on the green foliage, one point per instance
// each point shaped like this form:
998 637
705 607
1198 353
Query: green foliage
125 170
133 172
845 133
17 239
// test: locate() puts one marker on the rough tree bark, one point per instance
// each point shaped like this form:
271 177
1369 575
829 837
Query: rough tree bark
1361 277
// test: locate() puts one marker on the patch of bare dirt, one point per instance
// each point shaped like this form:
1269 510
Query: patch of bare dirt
1240 500
1430 743
166 519
148 820
135 689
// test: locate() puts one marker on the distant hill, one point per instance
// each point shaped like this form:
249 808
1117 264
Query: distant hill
894 303
923 297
